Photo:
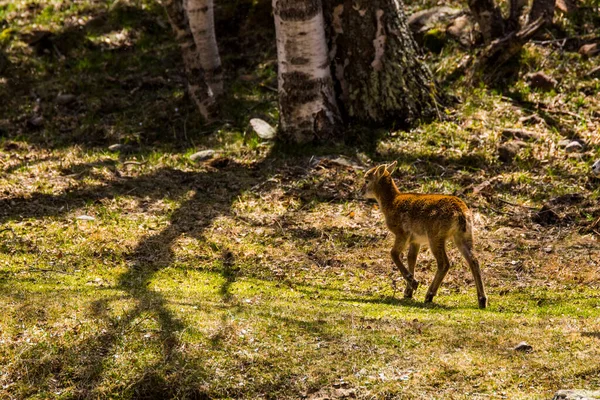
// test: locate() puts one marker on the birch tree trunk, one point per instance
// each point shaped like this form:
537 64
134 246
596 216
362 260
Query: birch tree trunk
200 56
202 24
307 105
379 76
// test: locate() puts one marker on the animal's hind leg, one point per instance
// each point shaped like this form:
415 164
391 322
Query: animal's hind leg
465 246
413 251
438 249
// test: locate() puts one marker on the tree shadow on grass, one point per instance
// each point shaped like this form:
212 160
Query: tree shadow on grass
214 192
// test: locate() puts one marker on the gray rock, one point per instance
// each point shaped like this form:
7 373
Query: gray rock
263 129
202 155
577 394
524 347
596 168
65 99
574 147
118 147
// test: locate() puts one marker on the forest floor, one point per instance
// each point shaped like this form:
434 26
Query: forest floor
261 273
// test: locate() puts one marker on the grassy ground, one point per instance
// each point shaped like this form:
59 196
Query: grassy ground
263 274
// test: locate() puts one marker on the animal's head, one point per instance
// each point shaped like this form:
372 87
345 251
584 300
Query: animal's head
373 178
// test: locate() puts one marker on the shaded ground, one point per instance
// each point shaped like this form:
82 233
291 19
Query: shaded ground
261 273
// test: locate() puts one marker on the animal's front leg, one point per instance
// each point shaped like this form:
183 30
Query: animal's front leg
396 253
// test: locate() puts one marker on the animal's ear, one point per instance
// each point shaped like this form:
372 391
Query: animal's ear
379 171
391 167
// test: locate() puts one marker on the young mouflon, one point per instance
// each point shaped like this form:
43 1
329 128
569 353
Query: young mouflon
417 219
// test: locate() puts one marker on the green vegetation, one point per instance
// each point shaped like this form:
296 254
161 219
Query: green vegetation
261 273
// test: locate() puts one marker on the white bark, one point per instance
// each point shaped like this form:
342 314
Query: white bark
202 63
307 102
202 24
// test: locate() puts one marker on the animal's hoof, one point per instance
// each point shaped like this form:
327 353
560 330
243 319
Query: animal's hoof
408 294
414 284
483 302
428 298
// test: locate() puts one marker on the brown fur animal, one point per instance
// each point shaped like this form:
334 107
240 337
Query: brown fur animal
417 219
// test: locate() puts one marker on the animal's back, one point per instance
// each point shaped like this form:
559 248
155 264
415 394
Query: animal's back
426 214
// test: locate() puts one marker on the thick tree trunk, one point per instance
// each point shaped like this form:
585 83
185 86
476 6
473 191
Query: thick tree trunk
489 18
544 9
204 84
379 76
307 105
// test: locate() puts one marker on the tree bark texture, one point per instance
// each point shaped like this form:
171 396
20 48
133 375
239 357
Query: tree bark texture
489 18
378 73
191 19
202 24
544 9
515 11
307 106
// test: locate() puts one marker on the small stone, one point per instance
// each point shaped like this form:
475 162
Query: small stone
202 155
577 394
524 347
65 99
596 168
589 50
508 151
574 147
263 129
539 80
118 147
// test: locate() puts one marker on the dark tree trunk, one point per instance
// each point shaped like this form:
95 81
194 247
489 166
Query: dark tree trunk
378 73
489 18
543 9
307 104
515 11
